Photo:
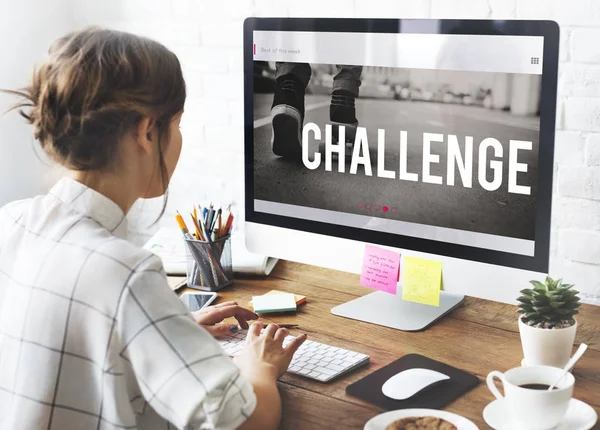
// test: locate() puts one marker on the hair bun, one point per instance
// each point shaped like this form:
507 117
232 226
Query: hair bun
95 85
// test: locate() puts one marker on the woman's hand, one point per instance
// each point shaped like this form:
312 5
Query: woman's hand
210 318
263 355
262 361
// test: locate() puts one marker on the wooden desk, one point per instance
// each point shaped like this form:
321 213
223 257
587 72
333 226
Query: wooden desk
479 337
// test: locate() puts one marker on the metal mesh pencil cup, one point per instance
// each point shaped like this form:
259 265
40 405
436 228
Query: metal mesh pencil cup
208 264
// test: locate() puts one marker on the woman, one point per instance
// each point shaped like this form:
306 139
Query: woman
91 336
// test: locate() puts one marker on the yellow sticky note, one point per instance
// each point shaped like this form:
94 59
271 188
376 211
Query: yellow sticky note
422 281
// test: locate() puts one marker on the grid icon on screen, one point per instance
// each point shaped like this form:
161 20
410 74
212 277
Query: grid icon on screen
535 60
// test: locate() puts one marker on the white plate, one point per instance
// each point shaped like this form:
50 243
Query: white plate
579 416
381 421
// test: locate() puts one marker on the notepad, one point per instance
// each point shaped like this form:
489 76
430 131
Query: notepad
422 281
271 303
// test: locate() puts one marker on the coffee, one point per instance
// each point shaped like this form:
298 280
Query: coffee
534 408
543 387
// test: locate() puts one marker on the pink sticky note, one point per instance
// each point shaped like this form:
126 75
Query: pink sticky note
380 269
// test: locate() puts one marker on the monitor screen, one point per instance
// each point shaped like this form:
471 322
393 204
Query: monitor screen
428 135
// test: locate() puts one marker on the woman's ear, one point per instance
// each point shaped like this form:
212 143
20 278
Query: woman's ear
144 134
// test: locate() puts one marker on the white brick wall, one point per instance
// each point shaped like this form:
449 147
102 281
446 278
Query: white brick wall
580 182
582 113
593 150
387 8
584 45
569 148
460 9
581 80
580 246
207 35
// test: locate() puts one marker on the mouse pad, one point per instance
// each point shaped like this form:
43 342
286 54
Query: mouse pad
435 396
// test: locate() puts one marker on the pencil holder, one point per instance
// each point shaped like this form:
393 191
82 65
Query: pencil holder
209 266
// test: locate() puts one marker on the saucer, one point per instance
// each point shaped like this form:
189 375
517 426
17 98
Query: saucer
579 416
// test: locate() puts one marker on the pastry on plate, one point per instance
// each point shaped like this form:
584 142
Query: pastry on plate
421 423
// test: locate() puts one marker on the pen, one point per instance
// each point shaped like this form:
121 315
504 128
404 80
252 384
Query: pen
287 325
214 219
209 217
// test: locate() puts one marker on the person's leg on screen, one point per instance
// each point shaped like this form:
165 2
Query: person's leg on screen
287 111
345 90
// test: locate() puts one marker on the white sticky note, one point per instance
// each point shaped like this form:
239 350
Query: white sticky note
274 303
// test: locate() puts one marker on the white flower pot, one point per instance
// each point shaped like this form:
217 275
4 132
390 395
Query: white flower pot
547 347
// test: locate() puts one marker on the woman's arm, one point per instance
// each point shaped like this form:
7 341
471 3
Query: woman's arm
180 369
267 414
263 377
262 362
183 372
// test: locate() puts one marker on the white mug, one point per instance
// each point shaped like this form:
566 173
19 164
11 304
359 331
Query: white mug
529 408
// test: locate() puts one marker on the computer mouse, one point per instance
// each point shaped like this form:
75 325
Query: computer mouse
409 382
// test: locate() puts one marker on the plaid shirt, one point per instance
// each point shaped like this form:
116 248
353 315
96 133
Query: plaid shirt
91 336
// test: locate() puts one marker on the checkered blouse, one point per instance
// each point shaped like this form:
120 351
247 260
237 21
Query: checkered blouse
91 336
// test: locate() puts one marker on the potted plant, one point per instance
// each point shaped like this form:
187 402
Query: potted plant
547 324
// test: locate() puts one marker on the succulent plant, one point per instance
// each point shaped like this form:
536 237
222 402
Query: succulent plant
551 304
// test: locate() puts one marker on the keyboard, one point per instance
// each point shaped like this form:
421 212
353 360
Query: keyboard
313 360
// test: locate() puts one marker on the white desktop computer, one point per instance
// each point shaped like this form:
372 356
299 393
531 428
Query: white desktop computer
432 138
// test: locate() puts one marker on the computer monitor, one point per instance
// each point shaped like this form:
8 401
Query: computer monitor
447 153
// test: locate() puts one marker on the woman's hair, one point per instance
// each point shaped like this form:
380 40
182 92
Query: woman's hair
96 85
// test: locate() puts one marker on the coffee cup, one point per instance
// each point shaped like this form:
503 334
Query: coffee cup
527 399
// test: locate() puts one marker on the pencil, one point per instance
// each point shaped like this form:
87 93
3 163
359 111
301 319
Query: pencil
182 226
219 224
229 224
224 227
197 227
203 226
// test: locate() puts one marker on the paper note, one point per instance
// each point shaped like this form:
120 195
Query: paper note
274 303
422 281
299 299
380 269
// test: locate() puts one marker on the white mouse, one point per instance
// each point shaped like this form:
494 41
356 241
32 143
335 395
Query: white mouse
409 382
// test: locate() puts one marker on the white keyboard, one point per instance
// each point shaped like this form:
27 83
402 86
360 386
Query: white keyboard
312 360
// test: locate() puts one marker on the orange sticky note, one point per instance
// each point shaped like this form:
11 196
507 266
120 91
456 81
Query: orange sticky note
380 269
422 281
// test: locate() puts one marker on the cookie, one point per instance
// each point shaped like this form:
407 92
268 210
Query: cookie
421 423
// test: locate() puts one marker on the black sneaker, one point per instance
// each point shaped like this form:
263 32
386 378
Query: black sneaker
343 113
287 117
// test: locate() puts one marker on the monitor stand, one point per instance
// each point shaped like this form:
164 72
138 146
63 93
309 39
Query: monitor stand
391 311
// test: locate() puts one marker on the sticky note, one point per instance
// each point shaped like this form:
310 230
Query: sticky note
299 299
380 269
274 303
422 281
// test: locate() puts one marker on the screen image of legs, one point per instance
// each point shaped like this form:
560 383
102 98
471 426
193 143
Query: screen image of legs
287 111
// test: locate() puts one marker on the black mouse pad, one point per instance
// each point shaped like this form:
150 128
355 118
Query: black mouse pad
435 396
